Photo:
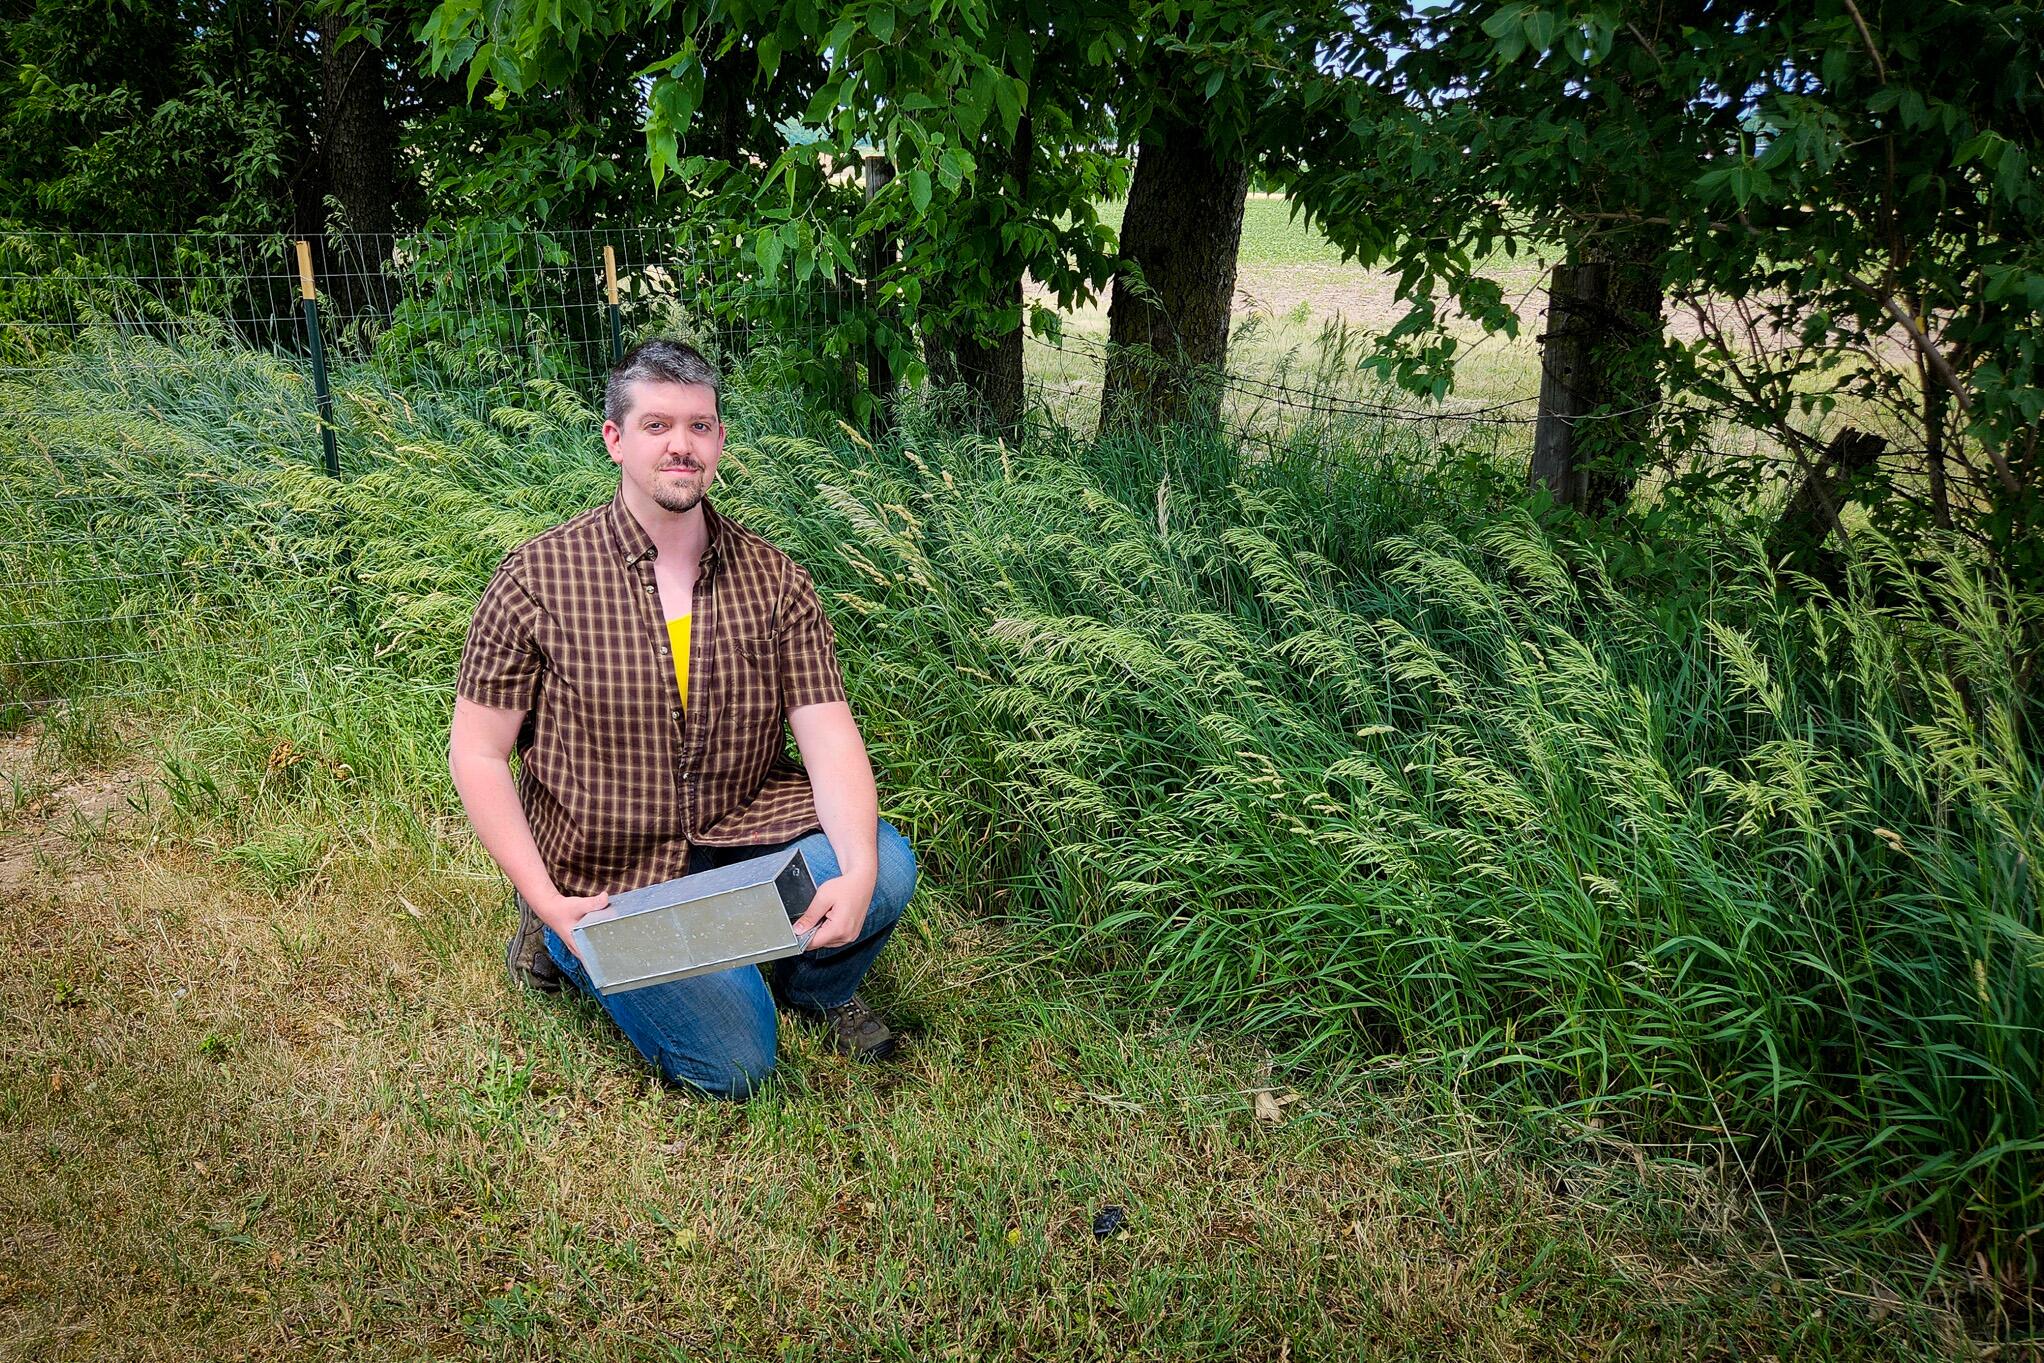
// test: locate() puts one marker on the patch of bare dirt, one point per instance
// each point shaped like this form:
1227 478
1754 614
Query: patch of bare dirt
49 807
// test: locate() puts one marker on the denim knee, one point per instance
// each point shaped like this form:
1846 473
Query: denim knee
896 881
739 1073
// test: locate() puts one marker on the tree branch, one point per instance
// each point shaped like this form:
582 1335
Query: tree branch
1940 366
1880 67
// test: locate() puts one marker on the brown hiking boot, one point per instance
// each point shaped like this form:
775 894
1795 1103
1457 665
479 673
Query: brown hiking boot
854 1029
525 959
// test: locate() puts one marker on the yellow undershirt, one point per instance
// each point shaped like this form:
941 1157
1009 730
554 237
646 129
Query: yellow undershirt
677 639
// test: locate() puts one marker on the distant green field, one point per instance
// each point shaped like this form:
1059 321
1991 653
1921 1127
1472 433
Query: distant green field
1270 235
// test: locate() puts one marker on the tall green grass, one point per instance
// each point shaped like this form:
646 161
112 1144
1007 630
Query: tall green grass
1339 750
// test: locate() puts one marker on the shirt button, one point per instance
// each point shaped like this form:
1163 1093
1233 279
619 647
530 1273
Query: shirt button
652 586
674 714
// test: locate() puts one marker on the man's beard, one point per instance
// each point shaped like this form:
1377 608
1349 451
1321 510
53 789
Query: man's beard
679 500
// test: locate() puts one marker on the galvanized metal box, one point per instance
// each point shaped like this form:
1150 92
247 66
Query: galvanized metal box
713 920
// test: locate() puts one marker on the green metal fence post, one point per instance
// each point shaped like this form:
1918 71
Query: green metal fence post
308 300
617 328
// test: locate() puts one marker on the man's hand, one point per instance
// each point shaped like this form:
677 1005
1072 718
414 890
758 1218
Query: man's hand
563 912
837 913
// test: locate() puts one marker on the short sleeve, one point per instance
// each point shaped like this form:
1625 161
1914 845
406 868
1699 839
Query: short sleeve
808 645
501 663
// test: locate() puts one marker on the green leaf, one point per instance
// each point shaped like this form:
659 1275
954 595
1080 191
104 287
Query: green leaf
979 102
2008 178
479 66
1984 146
1009 94
919 188
660 152
834 244
1504 22
954 166
766 246
881 23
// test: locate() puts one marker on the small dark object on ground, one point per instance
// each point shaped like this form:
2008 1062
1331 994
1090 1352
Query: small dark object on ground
1110 1220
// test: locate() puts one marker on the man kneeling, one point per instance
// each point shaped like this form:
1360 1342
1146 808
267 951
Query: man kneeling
640 658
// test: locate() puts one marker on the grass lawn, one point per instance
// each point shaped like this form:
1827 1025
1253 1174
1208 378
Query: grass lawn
315 1122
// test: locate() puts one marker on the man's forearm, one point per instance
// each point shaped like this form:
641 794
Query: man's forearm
849 811
490 797
841 778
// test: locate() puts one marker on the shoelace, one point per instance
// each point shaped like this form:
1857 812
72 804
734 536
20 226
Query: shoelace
854 1012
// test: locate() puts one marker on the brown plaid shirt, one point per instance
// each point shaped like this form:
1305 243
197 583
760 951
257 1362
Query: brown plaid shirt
617 779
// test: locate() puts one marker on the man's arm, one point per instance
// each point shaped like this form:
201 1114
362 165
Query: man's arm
479 758
848 807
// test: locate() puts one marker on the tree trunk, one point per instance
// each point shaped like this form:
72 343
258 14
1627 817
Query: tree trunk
725 112
1599 378
1936 398
987 361
1797 540
360 156
991 367
881 255
1168 334
988 368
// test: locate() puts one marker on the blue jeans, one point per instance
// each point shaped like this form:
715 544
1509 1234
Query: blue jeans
717 1032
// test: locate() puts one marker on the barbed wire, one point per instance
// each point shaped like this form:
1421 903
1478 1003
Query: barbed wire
1324 400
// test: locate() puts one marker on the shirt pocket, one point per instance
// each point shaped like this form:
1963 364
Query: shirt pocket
752 702
755 679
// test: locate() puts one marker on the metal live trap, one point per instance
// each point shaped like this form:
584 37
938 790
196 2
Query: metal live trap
713 920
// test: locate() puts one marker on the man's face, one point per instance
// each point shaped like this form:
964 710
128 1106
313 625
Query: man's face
668 443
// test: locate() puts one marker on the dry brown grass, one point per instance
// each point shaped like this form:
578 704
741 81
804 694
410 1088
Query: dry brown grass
244 1122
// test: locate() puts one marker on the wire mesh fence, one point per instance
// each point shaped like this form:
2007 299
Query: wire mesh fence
452 309
557 300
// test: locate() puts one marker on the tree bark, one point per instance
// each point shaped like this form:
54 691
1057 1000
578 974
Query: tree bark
987 368
726 112
991 367
987 361
1812 513
359 146
880 382
1599 378
1168 334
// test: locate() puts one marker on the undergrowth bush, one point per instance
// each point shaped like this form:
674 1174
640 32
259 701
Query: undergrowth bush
1342 751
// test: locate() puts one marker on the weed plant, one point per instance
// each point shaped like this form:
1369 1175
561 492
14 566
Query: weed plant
1345 752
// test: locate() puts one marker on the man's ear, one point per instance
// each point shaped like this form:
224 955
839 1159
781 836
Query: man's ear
611 435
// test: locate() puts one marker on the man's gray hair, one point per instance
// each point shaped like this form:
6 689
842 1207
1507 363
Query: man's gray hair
659 360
